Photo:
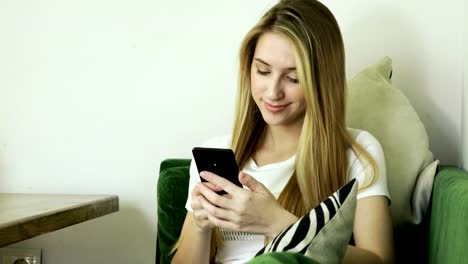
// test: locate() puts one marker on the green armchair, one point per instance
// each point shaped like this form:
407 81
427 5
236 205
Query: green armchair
440 238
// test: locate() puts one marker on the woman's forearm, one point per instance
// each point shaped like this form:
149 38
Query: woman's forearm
280 223
359 255
194 247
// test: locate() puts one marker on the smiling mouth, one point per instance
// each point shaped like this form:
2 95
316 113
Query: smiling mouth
275 108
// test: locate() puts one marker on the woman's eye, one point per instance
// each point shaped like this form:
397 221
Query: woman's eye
262 72
293 80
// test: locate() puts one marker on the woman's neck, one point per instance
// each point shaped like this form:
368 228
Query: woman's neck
278 143
281 138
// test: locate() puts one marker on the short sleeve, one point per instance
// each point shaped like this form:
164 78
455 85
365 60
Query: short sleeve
217 142
356 168
194 179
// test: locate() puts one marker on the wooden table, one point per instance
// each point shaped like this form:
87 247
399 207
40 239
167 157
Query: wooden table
23 216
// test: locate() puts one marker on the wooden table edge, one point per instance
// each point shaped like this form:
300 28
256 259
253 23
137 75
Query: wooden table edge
57 219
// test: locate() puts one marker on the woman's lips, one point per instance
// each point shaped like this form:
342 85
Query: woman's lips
275 108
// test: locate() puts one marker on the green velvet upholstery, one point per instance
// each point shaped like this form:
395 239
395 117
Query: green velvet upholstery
281 258
441 238
172 194
448 241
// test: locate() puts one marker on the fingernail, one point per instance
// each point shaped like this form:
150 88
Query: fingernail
203 174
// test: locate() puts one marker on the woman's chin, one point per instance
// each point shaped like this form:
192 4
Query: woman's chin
280 119
276 121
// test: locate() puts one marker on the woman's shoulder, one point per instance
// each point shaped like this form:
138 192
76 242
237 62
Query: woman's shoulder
363 138
356 167
223 141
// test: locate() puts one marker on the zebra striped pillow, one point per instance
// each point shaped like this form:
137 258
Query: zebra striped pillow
324 233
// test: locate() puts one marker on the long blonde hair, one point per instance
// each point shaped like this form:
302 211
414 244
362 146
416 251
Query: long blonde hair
321 158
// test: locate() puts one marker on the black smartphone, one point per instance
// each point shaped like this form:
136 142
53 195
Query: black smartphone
219 161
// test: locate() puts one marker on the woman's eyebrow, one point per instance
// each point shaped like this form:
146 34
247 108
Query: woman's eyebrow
264 62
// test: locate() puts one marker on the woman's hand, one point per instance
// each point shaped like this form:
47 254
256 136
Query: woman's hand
200 216
255 210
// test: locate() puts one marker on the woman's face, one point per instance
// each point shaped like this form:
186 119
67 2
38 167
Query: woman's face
274 83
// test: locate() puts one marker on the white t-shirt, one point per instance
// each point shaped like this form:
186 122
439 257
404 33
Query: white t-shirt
240 247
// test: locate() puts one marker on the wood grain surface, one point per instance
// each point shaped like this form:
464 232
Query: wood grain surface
24 216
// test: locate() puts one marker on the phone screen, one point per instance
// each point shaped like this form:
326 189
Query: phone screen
218 161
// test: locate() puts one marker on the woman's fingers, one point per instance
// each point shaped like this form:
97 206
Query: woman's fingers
224 223
215 211
224 184
200 215
213 186
201 219
214 198
219 217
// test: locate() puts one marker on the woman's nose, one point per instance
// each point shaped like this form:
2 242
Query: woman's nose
275 90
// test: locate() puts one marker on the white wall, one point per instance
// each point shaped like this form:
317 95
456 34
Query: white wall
465 93
95 94
424 39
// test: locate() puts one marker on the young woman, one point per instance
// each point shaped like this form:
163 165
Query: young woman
293 146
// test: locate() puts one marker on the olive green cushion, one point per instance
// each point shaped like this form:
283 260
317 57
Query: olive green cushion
375 105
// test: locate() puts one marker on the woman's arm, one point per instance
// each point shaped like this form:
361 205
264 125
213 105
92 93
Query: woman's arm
195 238
194 243
373 233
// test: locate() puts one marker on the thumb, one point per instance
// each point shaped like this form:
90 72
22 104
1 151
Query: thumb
251 182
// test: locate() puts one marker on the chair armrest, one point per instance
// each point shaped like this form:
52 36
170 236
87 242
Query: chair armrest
172 192
171 163
282 258
448 236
